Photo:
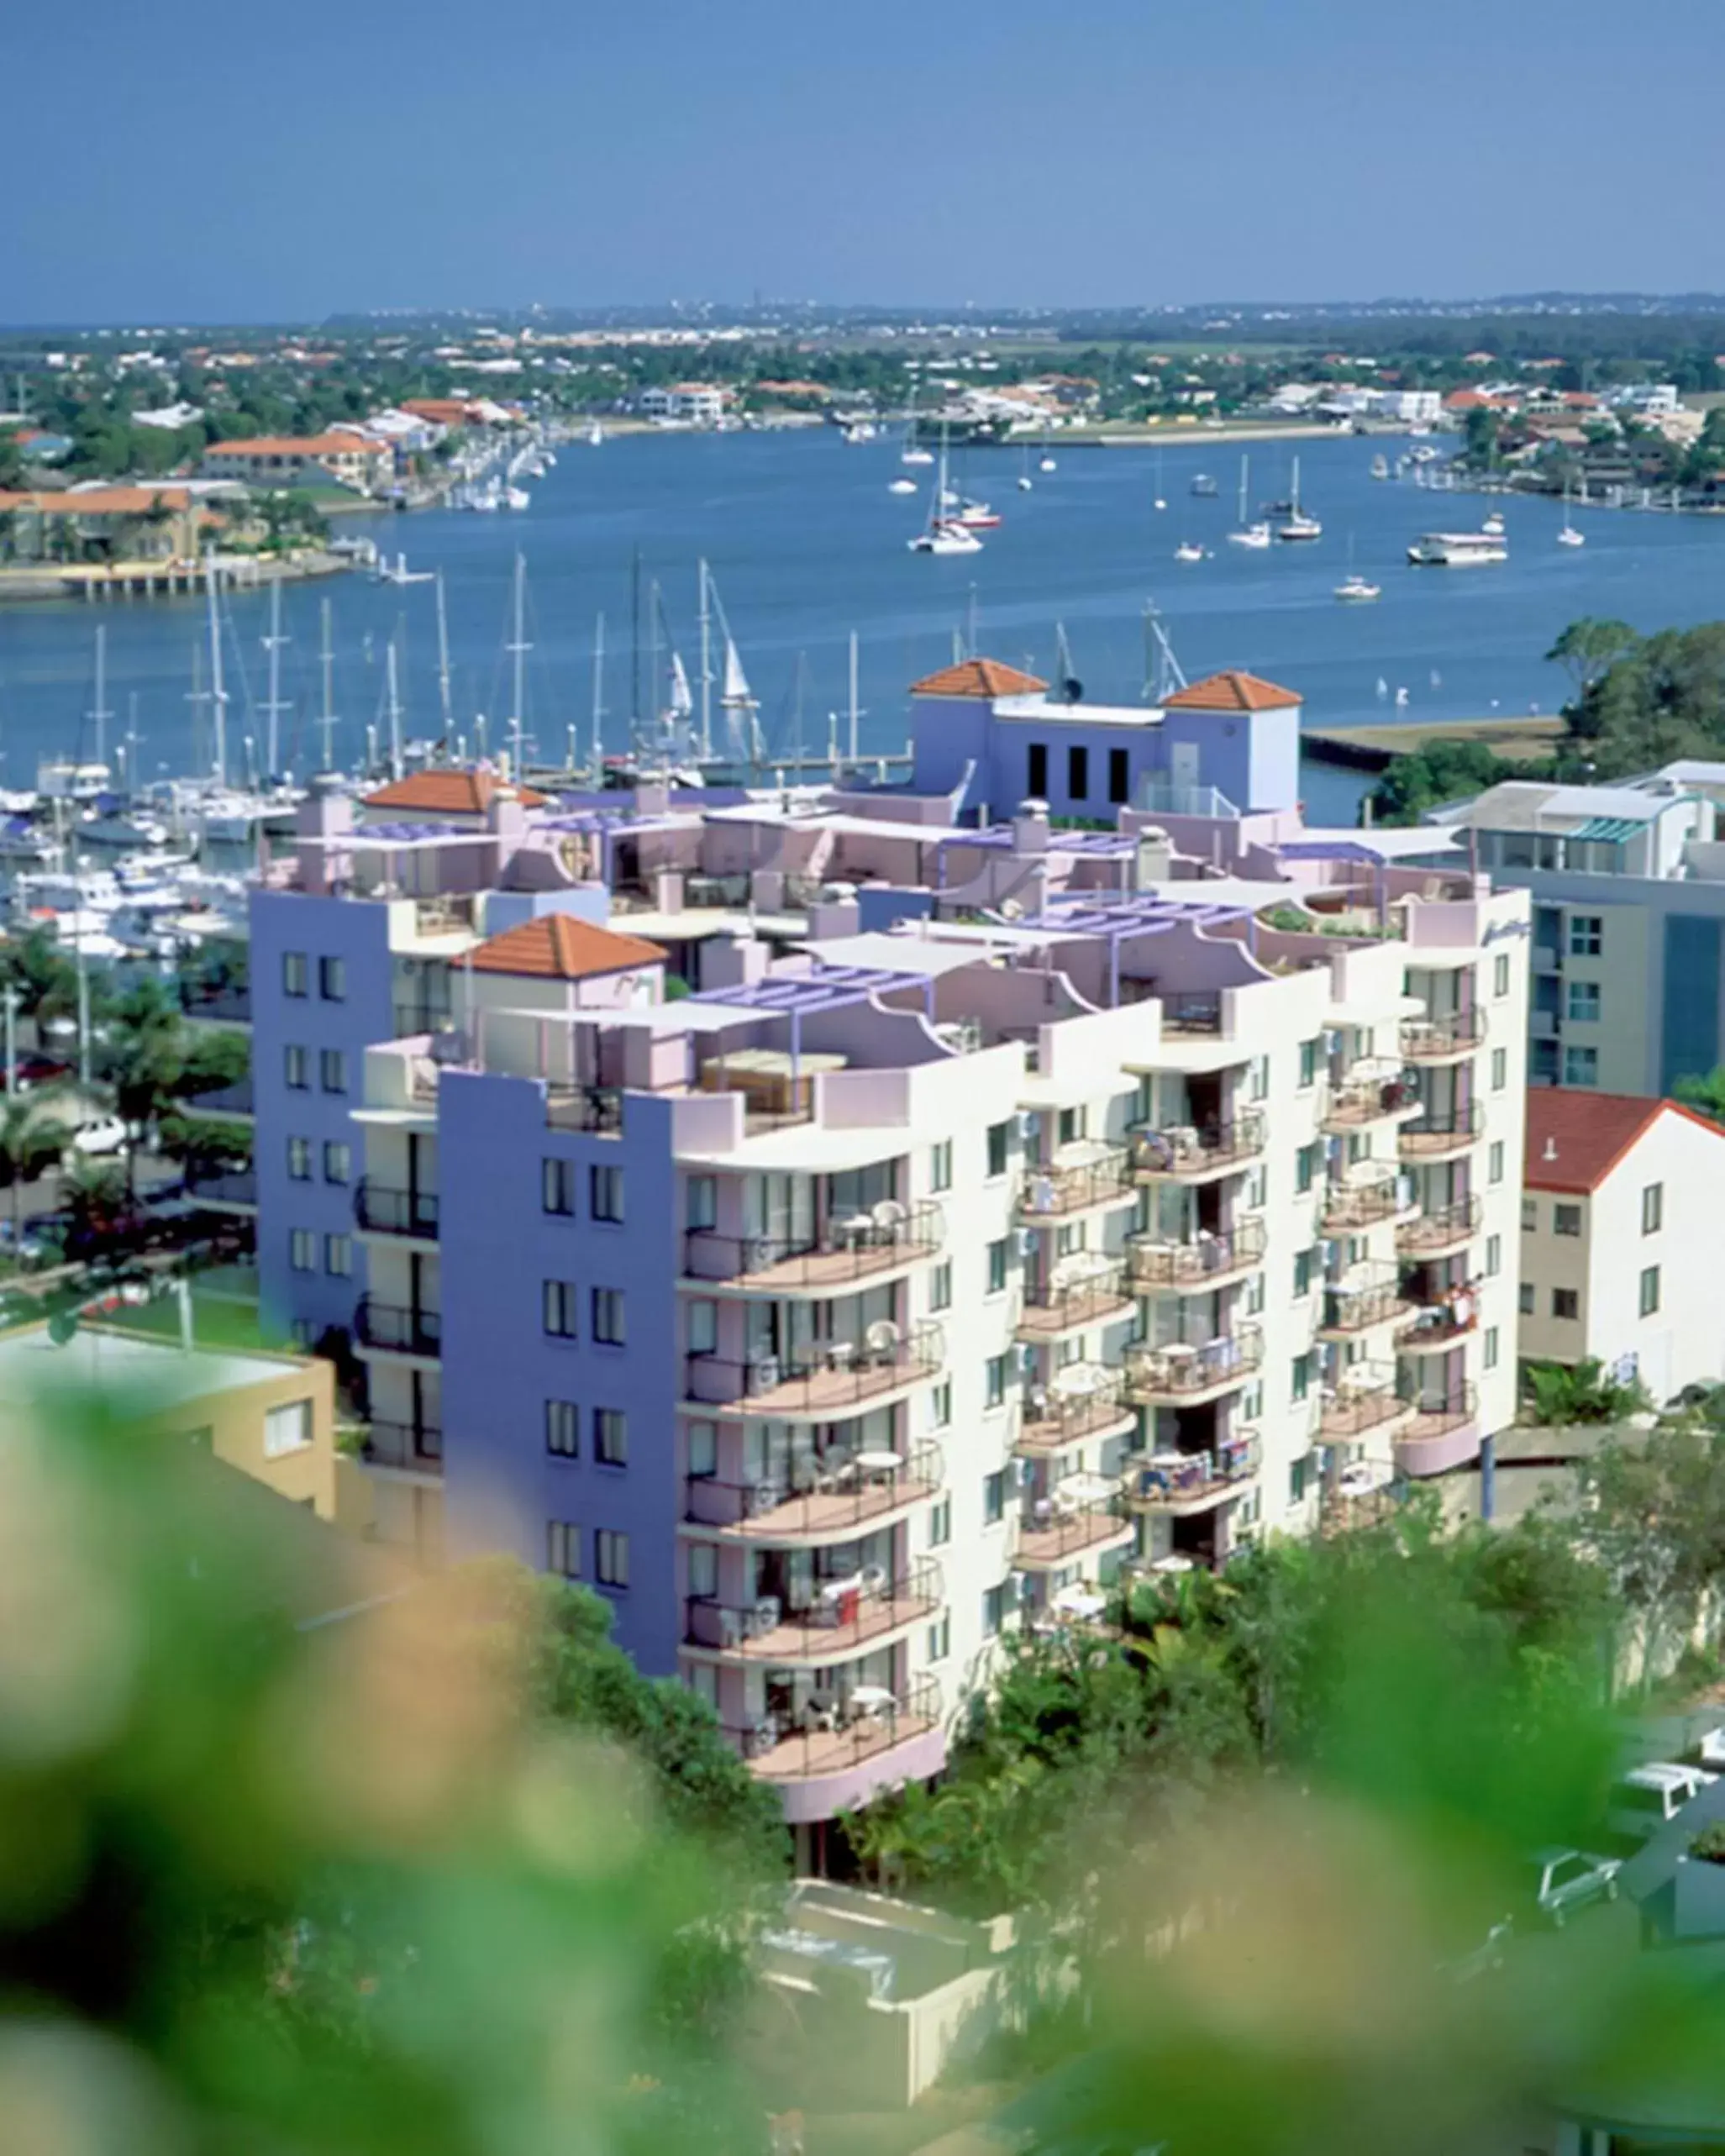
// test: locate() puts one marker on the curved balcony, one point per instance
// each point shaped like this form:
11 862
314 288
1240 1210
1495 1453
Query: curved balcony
1446 1039
398 1330
1181 1484
1437 1324
822 1381
1085 1289
1195 1267
845 1744
1360 1101
1436 1235
1444 1431
1081 1400
1442 1137
1192 1153
1351 1312
1365 1401
382 1210
829 1500
1067 1186
1184 1373
845 1251
844 1618
1084 1513
1376 1192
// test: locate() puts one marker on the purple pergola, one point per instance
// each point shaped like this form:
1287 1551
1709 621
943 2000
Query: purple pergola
1147 913
797 997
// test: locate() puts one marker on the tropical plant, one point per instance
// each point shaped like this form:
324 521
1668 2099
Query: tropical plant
1561 1393
32 1128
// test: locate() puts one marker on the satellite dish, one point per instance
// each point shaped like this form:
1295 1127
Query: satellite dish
1011 909
1074 689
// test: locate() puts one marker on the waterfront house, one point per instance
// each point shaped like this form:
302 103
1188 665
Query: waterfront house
341 457
102 524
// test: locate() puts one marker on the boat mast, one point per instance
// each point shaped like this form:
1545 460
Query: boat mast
272 708
598 699
218 695
101 714
442 663
1243 464
395 710
518 650
130 745
855 712
706 668
326 660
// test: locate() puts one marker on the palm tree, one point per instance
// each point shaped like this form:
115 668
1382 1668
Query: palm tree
31 1126
92 1191
1563 1393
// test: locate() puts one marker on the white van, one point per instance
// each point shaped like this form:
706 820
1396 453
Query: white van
1647 1798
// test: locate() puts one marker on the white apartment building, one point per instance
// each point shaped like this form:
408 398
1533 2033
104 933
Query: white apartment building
1622 1200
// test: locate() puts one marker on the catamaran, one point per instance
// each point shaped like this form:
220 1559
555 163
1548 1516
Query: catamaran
945 533
1299 525
1246 535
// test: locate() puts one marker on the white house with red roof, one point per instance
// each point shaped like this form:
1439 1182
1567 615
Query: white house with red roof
1622 1199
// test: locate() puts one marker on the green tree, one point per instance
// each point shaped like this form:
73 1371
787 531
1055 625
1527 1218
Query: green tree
32 1128
1705 1093
44 978
1589 649
1561 1393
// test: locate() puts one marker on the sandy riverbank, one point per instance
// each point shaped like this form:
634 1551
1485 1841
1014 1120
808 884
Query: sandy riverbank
1374 747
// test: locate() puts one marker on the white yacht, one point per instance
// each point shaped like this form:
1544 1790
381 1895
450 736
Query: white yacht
1458 549
901 486
1355 588
1568 536
1188 551
945 537
1256 535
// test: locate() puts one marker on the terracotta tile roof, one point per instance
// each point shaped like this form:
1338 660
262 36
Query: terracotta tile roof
978 677
1232 691
311 445
558 947
1575 1138
449 793
99 501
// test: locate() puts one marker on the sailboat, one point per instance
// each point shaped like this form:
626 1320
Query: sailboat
596 436
1025 481
902 486
1354 587
1252 535
1045 462
1380 466
945 533
1160 502
1299 525
1568 536
912 452
1188 551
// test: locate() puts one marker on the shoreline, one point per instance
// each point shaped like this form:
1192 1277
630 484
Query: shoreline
1374 747
126 582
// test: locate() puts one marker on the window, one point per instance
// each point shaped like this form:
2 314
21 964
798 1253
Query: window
338 1160
1491 1346
610 1558
611 1436
701 1201
1530 1215
1500 974
1078 773
940 1405
703 1450
1494 1256
1258 1078
1256 1294
1565 1302
1649 1300
299 1159
294 973
1306 1162
605 1194
994 1497
297 1068
1494 1162
703 1326
1071 1126
332 1070
1309 1052
1526 1303
940 1286
994 1382
940 1523
609 1325
1500 1069
994 1609
1300 1379
1303 1260
1036 771
940 1165
339 1256
999 1133
563 1548
1586 934
560 1297
1566 1220
286 1428
1119 776
940 1640
1296 1480
1583 1005
303 1250
563 1428
332 980
997 1267
557 1187
1652 1208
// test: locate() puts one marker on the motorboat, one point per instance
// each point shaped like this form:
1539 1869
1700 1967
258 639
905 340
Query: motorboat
1204 486
974 516
1252 535
1188 551
1045 464
901 486
1493 524
1380 466
1354 588
1458 549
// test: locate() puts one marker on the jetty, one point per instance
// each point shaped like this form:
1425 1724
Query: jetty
1375 748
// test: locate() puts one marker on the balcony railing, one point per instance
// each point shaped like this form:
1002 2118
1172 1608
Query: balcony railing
410 1019
230 1002
1364 1400
1358 1102
1188 1481
838 1252
1206 1262
1180 1369
1357 1309
1438 1410
1449 1316
390 1325
1194 1149
1432 1232
405 1444
1434 1136
1433 1040
821 1378
1082 1398
595 1109
1094 1292
1346 1208
238 1186
834 1731
1054 1529
1050 1192
389 1212
833 1496
843 1617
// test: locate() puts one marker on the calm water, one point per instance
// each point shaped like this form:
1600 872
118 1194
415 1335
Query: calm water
807 544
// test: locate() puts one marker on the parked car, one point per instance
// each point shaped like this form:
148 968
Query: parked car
101 1136
1648 1798
1564 1880
41 1070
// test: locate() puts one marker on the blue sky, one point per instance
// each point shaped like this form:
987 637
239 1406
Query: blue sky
179 159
